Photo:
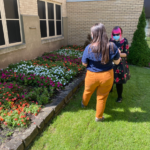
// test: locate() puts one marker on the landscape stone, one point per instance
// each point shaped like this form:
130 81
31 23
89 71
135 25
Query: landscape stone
39 123
14 144
58 103
30 134
47 114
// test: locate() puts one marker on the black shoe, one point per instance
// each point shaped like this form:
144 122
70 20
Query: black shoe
119 100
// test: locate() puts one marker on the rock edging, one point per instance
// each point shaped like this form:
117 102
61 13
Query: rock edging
21 142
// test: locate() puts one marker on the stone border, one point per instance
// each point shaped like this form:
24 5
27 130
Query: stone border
21 142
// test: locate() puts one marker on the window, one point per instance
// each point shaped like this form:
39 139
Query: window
50 19
2 40
10 33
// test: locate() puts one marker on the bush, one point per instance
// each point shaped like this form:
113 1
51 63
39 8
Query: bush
139 51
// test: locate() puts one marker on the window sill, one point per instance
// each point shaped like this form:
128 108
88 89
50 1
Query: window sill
6 50
52 39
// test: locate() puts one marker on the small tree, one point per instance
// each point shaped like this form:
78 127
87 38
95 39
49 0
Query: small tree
139 52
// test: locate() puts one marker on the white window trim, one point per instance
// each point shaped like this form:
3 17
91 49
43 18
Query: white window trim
55 3
4 24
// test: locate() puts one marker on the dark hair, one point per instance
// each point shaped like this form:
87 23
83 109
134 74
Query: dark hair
116 27
100 38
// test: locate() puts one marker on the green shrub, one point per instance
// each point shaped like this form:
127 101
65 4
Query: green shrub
139 52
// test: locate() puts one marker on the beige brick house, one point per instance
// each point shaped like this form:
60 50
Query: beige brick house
28 28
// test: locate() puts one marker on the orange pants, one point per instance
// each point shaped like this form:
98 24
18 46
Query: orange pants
103 81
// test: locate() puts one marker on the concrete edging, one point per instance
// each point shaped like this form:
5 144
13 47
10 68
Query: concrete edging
51 110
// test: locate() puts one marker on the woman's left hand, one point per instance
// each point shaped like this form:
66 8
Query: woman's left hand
84 64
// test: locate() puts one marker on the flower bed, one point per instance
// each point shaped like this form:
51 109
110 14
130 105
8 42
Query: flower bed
27 86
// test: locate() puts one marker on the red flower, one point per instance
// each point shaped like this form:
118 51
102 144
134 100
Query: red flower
15 119
22 117
1 119
18 124
117 71
117 79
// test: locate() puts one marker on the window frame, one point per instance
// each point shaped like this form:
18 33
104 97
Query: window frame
47 19
4 24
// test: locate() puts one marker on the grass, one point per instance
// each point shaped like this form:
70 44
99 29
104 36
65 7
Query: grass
126 125
148 41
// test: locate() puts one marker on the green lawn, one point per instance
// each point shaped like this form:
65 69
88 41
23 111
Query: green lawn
148 41
126 125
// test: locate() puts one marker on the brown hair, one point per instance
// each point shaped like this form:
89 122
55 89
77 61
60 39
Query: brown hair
100 44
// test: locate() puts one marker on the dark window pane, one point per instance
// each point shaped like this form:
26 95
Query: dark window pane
2 41
58 12
58 24
41 10
51 28
13 27
0 15
11 9
50 11
43 28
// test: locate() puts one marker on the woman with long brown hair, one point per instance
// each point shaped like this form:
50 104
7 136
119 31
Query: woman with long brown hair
97 58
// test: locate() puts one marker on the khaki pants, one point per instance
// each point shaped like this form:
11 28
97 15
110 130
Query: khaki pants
103 81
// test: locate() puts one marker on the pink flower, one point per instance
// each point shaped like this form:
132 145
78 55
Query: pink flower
127 46
117 71
122 41
5 123
117 79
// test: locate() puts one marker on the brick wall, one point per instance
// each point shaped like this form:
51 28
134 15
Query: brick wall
82 15
29 7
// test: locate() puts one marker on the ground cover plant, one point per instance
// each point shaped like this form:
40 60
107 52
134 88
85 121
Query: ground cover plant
74 47
126 125
27 86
